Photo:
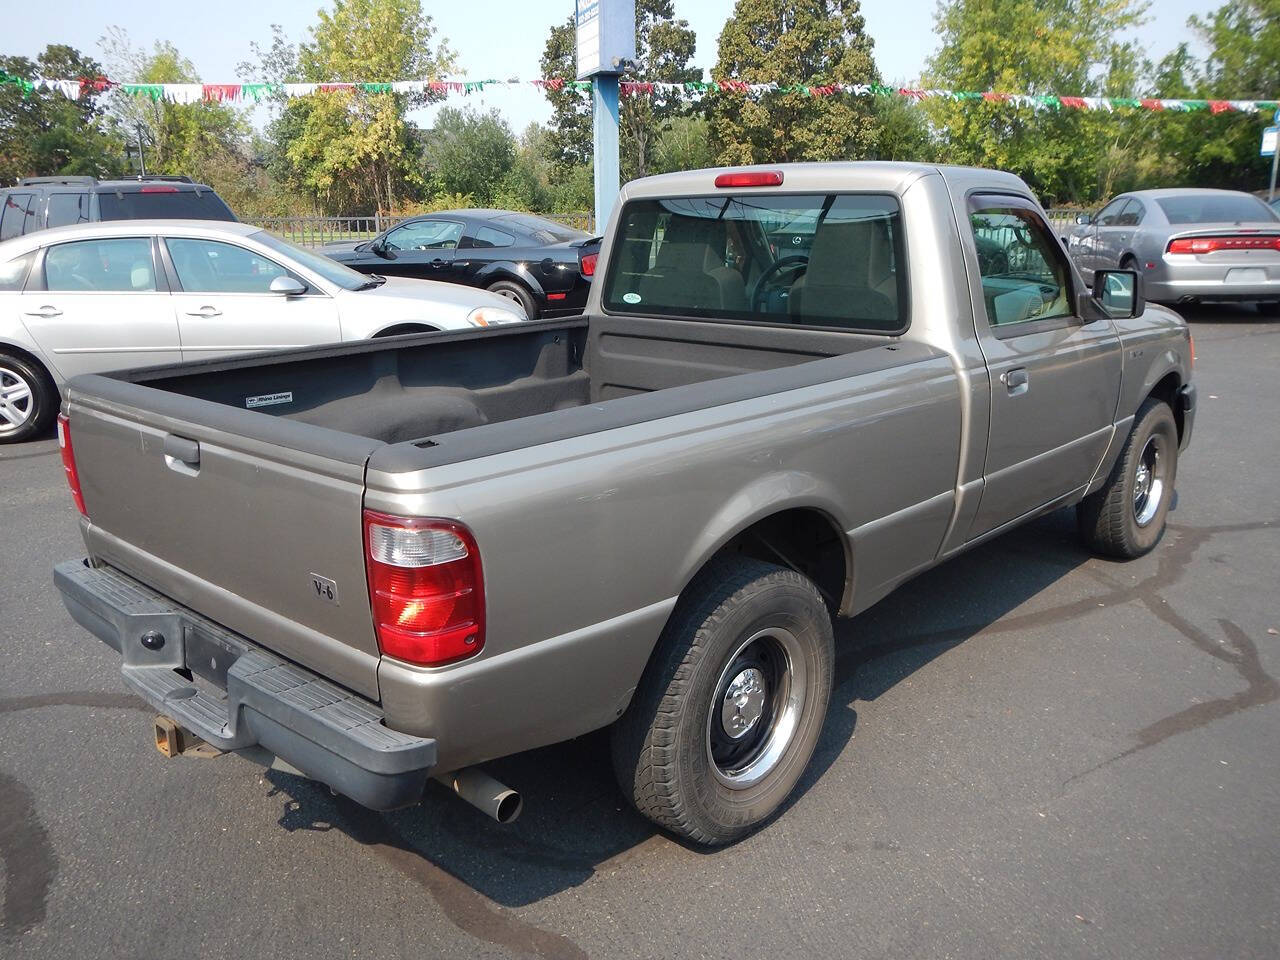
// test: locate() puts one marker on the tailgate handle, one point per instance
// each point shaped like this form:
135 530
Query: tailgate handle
181 454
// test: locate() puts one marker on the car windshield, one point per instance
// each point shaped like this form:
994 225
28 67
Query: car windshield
546 231
162 203
331 270
1215 208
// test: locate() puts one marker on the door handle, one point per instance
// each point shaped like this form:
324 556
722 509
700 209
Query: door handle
45 312
437 262
1016 380
205 312
182 455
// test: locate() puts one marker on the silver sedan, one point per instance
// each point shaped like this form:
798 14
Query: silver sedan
132 293
1188 245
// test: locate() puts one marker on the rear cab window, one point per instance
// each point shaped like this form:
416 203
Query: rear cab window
1025 276
161 202
816 260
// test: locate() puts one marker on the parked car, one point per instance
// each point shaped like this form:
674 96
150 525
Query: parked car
542 265
104 296
1188 245
643 518
37 203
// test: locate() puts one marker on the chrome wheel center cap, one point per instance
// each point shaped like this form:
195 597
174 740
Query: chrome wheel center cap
743 703
1143 483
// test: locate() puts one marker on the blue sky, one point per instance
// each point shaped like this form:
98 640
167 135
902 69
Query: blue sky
492 37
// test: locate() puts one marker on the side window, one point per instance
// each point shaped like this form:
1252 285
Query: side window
425 235
207 266
67 208
1024 274
489 237
117 265
1107 215
18 214
1131 215
13 273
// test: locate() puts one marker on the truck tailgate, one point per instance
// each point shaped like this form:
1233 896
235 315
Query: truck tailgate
259 533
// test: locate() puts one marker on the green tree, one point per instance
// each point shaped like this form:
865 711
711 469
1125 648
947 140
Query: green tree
784 41
683 143
44 133
469 153
569 137
353 151
1030 47
903 131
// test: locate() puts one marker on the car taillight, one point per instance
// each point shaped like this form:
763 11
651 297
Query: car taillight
589 264
1213 244
426 588
69 462
750 178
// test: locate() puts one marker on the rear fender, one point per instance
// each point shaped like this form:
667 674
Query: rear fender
491 273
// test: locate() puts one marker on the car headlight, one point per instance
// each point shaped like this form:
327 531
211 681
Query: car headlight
492 316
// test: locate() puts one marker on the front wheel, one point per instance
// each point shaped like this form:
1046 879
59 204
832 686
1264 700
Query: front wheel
1126 517
731 706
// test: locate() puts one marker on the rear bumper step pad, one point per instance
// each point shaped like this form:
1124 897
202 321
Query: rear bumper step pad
252 697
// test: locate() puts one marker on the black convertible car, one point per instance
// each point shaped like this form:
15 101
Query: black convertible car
544 266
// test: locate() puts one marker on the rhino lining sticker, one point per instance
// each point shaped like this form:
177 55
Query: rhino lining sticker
631 297
269 399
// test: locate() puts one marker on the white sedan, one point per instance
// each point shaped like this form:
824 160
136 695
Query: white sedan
97 297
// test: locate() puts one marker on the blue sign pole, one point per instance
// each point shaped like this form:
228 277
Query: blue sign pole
604 114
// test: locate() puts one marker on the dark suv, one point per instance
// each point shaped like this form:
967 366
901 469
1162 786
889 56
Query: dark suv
39 202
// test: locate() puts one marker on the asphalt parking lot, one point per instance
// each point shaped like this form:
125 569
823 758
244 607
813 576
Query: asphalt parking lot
1030 752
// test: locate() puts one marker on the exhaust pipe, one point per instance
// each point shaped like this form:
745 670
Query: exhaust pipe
486 794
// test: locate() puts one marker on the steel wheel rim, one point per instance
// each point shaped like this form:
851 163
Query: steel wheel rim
764 678
1148 481
509 295
17 400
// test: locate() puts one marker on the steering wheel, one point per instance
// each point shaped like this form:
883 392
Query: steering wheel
778 266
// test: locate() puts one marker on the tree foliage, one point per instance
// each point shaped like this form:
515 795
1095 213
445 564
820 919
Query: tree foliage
782 41
44 133
468 152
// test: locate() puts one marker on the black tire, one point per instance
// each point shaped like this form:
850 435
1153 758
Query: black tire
1129 263
1269 308
28 399
735 618
519 293
1118 520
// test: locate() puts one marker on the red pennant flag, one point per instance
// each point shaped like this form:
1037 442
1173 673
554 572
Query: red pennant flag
995 97
335 87
1075 102
1153 104
221 91
1220 106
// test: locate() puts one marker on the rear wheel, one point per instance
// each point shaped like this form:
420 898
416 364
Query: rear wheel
28 399
732 703
519 293
1126 517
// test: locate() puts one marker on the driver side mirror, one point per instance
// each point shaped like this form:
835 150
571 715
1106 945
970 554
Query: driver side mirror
287 286
1083 219
1119 293
379 248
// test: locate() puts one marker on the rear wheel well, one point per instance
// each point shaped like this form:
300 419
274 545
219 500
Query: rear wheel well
805 540
9 349
402 328
1167 390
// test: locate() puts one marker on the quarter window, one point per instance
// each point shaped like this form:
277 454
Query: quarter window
1108 215
18 215
68 208
207 266
13 273
489 237
117 265
1024 274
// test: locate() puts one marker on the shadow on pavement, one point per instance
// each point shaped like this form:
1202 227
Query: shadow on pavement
575 818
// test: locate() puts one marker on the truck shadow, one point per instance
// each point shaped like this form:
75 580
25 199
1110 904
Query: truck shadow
576 820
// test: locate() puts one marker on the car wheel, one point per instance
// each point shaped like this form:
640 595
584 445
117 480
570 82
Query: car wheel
731 705
1126 517
519 293
28 399
1128 263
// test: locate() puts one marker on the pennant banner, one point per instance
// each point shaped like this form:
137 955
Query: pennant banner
257 92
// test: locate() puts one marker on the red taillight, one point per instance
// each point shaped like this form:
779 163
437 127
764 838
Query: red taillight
1191 340
1213 244
589 264
426 588
159 190
750 178
69 462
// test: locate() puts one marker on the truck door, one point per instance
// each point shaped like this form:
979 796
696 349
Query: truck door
1055 377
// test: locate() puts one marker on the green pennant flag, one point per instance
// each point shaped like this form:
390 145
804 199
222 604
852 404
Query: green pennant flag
1126 102
1195 104
374 87
256 91
153 90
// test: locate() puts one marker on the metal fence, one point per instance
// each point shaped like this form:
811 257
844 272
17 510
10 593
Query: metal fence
315 231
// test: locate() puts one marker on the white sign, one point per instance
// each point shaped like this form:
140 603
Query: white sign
1269 136
606 35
